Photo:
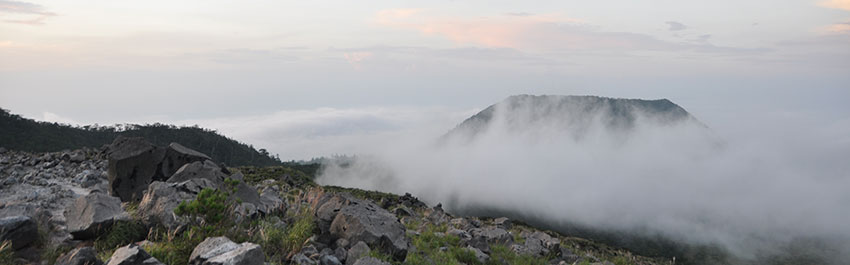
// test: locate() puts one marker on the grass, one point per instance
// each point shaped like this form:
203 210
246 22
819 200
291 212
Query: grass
7 254
283 174
500 254
171 247
374 196
433 248
119 234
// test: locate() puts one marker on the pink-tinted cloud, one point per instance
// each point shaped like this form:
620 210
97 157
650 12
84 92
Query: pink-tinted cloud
532 32
837 4
839 28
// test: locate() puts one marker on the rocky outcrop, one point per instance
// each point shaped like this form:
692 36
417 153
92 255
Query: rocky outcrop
92 214
79 256
220 250
20 230
132 255
134 163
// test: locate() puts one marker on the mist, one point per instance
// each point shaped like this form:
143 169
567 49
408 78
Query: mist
750 188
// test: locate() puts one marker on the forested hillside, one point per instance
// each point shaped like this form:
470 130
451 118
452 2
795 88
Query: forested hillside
19 133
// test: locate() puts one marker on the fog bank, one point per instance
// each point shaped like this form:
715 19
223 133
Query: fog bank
766 183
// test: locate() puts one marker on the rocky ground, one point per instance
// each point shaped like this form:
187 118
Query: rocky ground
136 203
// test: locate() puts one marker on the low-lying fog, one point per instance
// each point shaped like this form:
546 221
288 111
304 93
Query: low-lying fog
767 182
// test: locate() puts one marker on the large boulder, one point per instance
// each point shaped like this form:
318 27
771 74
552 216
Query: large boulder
92 214
132 255
159 202
364 221
20 230
220 250
133 164
79 256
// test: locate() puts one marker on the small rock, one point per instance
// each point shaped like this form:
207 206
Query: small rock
480 255
329 260
357 251
301 259
79 256
502 222
132 254
222 251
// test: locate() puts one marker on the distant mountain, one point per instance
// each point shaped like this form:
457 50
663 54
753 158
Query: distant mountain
574 115
24 134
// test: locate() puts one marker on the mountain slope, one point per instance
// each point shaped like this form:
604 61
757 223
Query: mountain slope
24 134
574 115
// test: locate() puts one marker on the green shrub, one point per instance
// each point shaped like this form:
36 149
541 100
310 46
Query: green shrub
209 205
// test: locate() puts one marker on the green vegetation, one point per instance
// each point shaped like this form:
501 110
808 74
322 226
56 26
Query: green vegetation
500 254
434 247
375 196
210 205
7 256
299 232
282 174
29 135
119 234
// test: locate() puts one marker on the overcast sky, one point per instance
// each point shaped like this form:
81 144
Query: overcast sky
273 72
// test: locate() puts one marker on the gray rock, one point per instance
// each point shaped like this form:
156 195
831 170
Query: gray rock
480 255
459 233
270 202
370 261
93 214
79 256
365 221
326 209
329 260
246 193
340 253
176 156
210 248
502 222
133 164
75 156
222 251
132 254
492 235
158 204
20 230
357 251
205 170
301 259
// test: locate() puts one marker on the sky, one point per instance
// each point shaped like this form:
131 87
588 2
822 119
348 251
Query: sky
308 78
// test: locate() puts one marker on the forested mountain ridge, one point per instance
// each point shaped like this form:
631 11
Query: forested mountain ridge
23 134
